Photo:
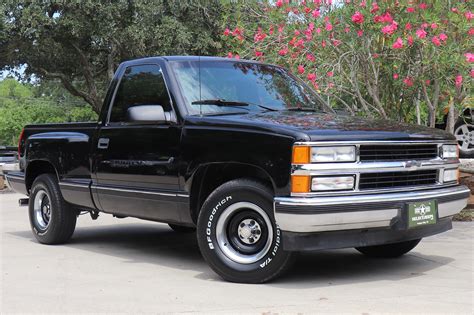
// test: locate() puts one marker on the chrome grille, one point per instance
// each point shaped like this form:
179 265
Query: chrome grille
400 152
385 180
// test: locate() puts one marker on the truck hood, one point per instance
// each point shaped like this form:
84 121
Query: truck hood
322 127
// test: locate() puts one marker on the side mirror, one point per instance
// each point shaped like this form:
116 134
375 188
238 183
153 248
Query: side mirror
146 114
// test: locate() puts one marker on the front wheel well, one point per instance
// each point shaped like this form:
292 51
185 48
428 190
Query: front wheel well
36 168
209 177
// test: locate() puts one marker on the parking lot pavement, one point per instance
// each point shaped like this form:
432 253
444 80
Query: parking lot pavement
131 266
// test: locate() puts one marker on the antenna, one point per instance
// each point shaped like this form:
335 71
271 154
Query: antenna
199 73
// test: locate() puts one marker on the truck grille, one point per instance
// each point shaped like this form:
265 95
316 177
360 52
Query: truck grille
397 179
398 152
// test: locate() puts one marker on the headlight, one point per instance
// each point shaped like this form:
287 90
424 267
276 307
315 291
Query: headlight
451 175
325 183
333 154
450 151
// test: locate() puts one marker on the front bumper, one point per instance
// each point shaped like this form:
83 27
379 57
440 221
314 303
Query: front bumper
370 212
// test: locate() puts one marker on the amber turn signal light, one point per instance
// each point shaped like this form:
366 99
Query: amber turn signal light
301 155
300 184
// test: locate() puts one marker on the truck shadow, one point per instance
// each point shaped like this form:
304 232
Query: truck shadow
158 244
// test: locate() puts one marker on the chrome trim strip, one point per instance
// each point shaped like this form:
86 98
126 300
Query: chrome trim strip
396 142
73 184
139 191
14 176
377 197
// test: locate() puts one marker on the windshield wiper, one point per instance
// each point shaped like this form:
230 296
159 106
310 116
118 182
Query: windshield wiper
303 109
219 102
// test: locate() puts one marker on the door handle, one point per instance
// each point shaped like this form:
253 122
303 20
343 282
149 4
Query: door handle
103 143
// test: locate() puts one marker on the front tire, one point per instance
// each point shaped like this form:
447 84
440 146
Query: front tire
52 220
237 233
389 250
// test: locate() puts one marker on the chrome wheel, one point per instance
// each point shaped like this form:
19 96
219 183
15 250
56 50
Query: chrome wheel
465 137
42 209
244 233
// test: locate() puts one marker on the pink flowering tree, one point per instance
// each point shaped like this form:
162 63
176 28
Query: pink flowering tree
405 60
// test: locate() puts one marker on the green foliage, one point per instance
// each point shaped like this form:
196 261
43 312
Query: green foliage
20 104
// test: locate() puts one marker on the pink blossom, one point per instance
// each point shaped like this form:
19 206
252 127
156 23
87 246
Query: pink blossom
258 53
435 40
283 52
360 33
458 81
408 26
424 25
280 28
311 76
363 3
323 43
358 18
455 10
423 6
386 18
310 57
279 3
300 69
237 56
410 9
318 30
226 32
328 26
297 32
398 44
443 37
375 7
434 26
336 42
259 36
375 55
427 82
471 31
230 55
469 57
410 40
347 29
472 73
316 13
420 33
330 74
469 15
408 81
395 76
390 29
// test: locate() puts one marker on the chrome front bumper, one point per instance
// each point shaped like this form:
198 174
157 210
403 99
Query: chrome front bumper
326 213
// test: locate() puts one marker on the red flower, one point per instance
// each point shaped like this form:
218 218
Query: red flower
311 76
469 15
395 76
472 73
237 56
307 10
230 55
434 26
347 29
310 57
259 36
458 81
410 9
408 26
258 53
328 26
427 82
471 31
390 29
279 3
435 40
408 81
443 37
420 33
469 57
360 33
423 6
316 13
330 74
226 32
386 17
300 69
424 25
398 44
375 7
283 52
358 18
410 40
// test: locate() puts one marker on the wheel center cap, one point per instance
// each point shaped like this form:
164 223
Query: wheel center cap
249 231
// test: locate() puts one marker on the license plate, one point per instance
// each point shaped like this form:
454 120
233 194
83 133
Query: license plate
422 213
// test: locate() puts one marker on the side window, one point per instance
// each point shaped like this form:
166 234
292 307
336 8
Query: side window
140 85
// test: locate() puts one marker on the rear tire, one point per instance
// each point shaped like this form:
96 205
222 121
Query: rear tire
463 132
52 220
182 228
237 233
389 250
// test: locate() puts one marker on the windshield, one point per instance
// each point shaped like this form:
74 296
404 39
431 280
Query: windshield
261 87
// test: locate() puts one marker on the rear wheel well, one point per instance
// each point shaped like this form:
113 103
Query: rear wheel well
208 178
36 168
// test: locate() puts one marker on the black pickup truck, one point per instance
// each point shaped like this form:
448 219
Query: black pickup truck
248 157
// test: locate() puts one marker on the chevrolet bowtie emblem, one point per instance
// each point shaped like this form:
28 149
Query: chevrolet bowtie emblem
411 164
